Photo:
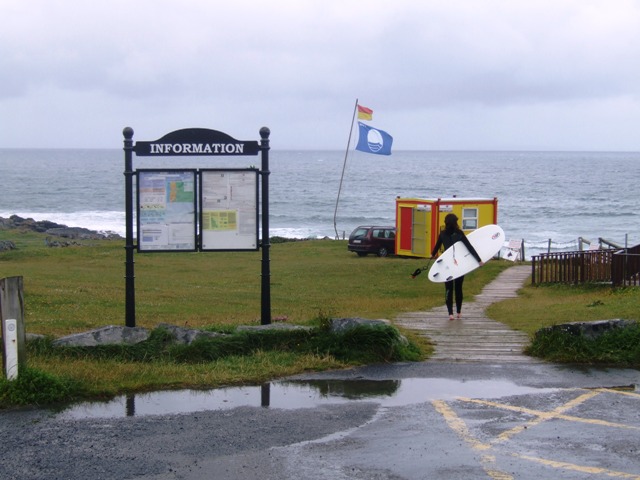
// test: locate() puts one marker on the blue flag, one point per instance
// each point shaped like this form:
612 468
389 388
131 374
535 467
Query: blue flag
372 140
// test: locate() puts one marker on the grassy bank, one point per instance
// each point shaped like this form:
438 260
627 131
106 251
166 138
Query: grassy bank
81 287
77 288
60 374
547 305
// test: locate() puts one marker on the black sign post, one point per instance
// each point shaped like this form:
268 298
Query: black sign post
129 246
195 142
265 314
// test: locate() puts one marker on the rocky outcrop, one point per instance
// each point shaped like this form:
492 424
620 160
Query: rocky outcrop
340 325
272 326
6 245
589 329
118 335
54 229
187 336
109 335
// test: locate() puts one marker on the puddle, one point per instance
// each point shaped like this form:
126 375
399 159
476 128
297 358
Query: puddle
295 395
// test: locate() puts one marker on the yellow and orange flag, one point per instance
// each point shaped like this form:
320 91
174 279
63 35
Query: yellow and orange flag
364 113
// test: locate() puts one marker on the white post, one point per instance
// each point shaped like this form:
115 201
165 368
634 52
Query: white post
11 348
14 350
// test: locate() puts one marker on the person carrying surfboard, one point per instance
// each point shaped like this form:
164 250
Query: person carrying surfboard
447 238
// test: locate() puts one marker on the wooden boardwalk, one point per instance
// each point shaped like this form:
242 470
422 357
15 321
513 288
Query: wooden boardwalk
475 338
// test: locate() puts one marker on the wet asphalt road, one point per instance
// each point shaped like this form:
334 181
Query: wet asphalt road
571 424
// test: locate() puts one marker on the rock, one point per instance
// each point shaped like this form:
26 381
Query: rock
34 336
54 229
115 335
55 243
339 325
15 221
6 245
272 326
110 335
187 336
77 233
589 329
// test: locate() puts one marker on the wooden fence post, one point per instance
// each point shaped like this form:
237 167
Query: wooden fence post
12 314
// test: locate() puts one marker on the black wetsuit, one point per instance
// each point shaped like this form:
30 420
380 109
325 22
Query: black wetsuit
447 239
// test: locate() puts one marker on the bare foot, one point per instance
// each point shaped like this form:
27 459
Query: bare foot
450 317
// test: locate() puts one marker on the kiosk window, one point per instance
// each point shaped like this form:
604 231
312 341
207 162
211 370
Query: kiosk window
469 218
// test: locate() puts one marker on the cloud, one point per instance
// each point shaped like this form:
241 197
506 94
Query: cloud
298 66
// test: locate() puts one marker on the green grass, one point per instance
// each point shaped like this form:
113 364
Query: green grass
363 344
64 373
74 289
35 387
617 347
543 306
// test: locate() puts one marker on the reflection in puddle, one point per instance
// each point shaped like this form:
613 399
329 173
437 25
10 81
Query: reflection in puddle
295 395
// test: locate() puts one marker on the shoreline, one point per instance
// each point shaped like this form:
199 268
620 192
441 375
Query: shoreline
16 222
55 229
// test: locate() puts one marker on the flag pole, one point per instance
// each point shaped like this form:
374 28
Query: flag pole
346 154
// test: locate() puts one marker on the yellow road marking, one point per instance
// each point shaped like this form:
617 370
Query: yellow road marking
540 418
550 415
578 468
619 392
458 426
488 461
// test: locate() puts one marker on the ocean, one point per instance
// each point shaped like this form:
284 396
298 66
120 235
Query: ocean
544 198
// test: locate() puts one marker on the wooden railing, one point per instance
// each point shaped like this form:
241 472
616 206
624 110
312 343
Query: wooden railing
625 267
589 266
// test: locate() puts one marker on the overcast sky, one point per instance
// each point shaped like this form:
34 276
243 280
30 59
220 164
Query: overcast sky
439 75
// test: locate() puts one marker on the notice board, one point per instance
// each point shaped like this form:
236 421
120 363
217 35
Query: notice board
229 209
166 211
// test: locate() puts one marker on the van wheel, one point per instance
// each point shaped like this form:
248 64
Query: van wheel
362 254
383 252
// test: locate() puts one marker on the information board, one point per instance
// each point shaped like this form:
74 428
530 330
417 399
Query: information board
229 209
167 210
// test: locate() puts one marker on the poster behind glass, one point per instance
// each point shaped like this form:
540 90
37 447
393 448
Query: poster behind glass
229 209
167 210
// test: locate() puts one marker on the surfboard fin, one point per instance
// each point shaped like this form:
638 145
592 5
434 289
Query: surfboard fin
449 278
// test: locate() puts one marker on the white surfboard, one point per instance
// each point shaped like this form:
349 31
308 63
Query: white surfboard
457 260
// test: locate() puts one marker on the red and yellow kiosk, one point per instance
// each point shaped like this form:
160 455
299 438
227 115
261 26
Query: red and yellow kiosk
420 220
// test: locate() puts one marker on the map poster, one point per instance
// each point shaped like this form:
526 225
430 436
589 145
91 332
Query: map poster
229 209
167 210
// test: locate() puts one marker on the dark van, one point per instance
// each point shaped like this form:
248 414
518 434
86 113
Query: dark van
378 240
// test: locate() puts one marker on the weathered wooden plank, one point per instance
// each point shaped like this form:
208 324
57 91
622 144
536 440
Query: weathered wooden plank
475 337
